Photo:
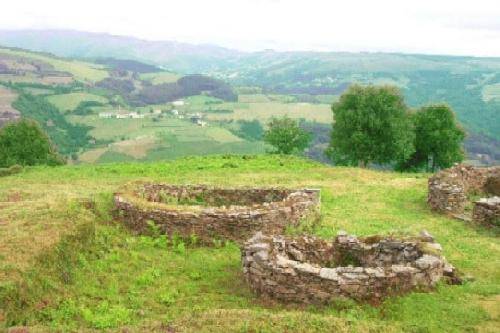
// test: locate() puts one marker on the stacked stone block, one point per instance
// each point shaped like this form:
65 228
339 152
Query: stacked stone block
311 270
227 214
449 190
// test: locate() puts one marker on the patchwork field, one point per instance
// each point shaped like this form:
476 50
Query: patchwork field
82 271
165 138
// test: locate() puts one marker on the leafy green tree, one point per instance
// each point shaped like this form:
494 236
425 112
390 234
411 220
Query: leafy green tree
286 136
25 143
371 125
438 139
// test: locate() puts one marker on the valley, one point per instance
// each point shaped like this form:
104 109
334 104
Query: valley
235 97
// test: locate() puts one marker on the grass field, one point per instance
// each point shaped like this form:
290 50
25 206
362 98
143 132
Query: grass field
263 111
179 137
82 272
69 102
262 107
167 138
80 70
160 77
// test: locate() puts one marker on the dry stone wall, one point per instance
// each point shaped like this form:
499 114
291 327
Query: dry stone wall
214 213
449 189
487 211
311 270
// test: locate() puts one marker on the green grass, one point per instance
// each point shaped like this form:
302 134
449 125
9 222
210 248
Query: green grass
168 138
80 70
69 102
160 77
119 280
264 110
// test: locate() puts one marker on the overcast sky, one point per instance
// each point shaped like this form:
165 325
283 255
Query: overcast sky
459 27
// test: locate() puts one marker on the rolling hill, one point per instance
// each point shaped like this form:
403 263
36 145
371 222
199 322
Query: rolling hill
151 73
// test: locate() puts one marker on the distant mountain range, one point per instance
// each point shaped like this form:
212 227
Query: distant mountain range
181 57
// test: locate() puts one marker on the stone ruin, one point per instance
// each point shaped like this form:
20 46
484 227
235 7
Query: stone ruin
312 270
301 269
487 210
211 213
450 189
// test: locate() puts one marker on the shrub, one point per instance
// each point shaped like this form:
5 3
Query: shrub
285 135
25 143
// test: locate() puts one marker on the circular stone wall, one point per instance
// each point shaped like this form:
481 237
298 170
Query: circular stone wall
311 270
213 213
449 191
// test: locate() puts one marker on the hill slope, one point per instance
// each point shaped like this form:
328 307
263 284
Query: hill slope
81 271
469 84
304 81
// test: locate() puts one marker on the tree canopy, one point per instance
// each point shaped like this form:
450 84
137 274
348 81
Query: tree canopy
25 143
438 139
371 125
286 136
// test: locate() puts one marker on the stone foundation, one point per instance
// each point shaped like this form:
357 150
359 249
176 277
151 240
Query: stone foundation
487 210
312 270
212 213
449 189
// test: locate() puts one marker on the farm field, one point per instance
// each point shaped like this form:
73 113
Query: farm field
263 111
166 138
160 77
69 102
83 271
259 106
170 137
80 70
184 130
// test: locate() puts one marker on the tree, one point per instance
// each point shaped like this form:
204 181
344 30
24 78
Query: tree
438 139
285 135
371 125
25 143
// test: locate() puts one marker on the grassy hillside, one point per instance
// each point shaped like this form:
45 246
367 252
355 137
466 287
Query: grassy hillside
468 84
160 77
81 271
69 102
301 85
80 70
